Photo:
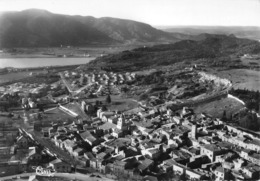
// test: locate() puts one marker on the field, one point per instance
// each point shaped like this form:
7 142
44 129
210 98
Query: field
15 76
55 114
5 119
216 108
118 103
241 78
32 80
250 61
8 170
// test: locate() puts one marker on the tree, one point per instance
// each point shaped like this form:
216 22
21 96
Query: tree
143 96
231 117
97 103
108 99
224 117
74 162
39 116
124 89
104 108
41 109
81 80
10 115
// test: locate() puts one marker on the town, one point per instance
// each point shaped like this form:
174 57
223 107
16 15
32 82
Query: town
128 126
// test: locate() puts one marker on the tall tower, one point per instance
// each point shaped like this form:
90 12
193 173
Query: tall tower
121 122
194 131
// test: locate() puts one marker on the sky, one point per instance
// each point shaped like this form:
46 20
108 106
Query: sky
154 12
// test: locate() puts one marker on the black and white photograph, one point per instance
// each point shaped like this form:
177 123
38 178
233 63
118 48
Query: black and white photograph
129 90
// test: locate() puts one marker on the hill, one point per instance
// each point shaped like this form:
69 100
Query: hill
214 49
250 32
39 28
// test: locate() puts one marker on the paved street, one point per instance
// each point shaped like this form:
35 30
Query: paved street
65 82
51 147
73 92
72 176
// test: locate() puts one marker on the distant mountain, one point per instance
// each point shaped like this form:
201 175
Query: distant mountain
35 27
250 32
209 47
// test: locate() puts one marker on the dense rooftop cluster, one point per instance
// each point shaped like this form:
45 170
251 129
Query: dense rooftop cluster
157 140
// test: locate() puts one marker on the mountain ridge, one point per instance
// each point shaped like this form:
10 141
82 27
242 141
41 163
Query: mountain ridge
250 32
35 28
214 49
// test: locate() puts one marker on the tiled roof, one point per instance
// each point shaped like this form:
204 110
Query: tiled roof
116 130
150 178
255 156
252 168
144 164
246 150
108 114
56 161
119 157
119 163
101 155
91 138
153 150
107 126
145 124
255 142
119 142
85 134
70 143
212 147
89 155
220 169
169 162
78 150
181 154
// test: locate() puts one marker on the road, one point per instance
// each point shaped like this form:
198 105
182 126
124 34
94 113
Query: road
57 152
65 82
73 92
71 176
82 88
50 146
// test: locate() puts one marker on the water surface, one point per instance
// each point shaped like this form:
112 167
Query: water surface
41 62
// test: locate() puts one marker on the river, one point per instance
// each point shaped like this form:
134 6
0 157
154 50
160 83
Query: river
42 62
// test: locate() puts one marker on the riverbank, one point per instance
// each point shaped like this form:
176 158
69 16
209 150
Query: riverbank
68 51
23 74
43 62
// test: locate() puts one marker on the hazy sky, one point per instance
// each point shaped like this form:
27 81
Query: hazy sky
154 12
